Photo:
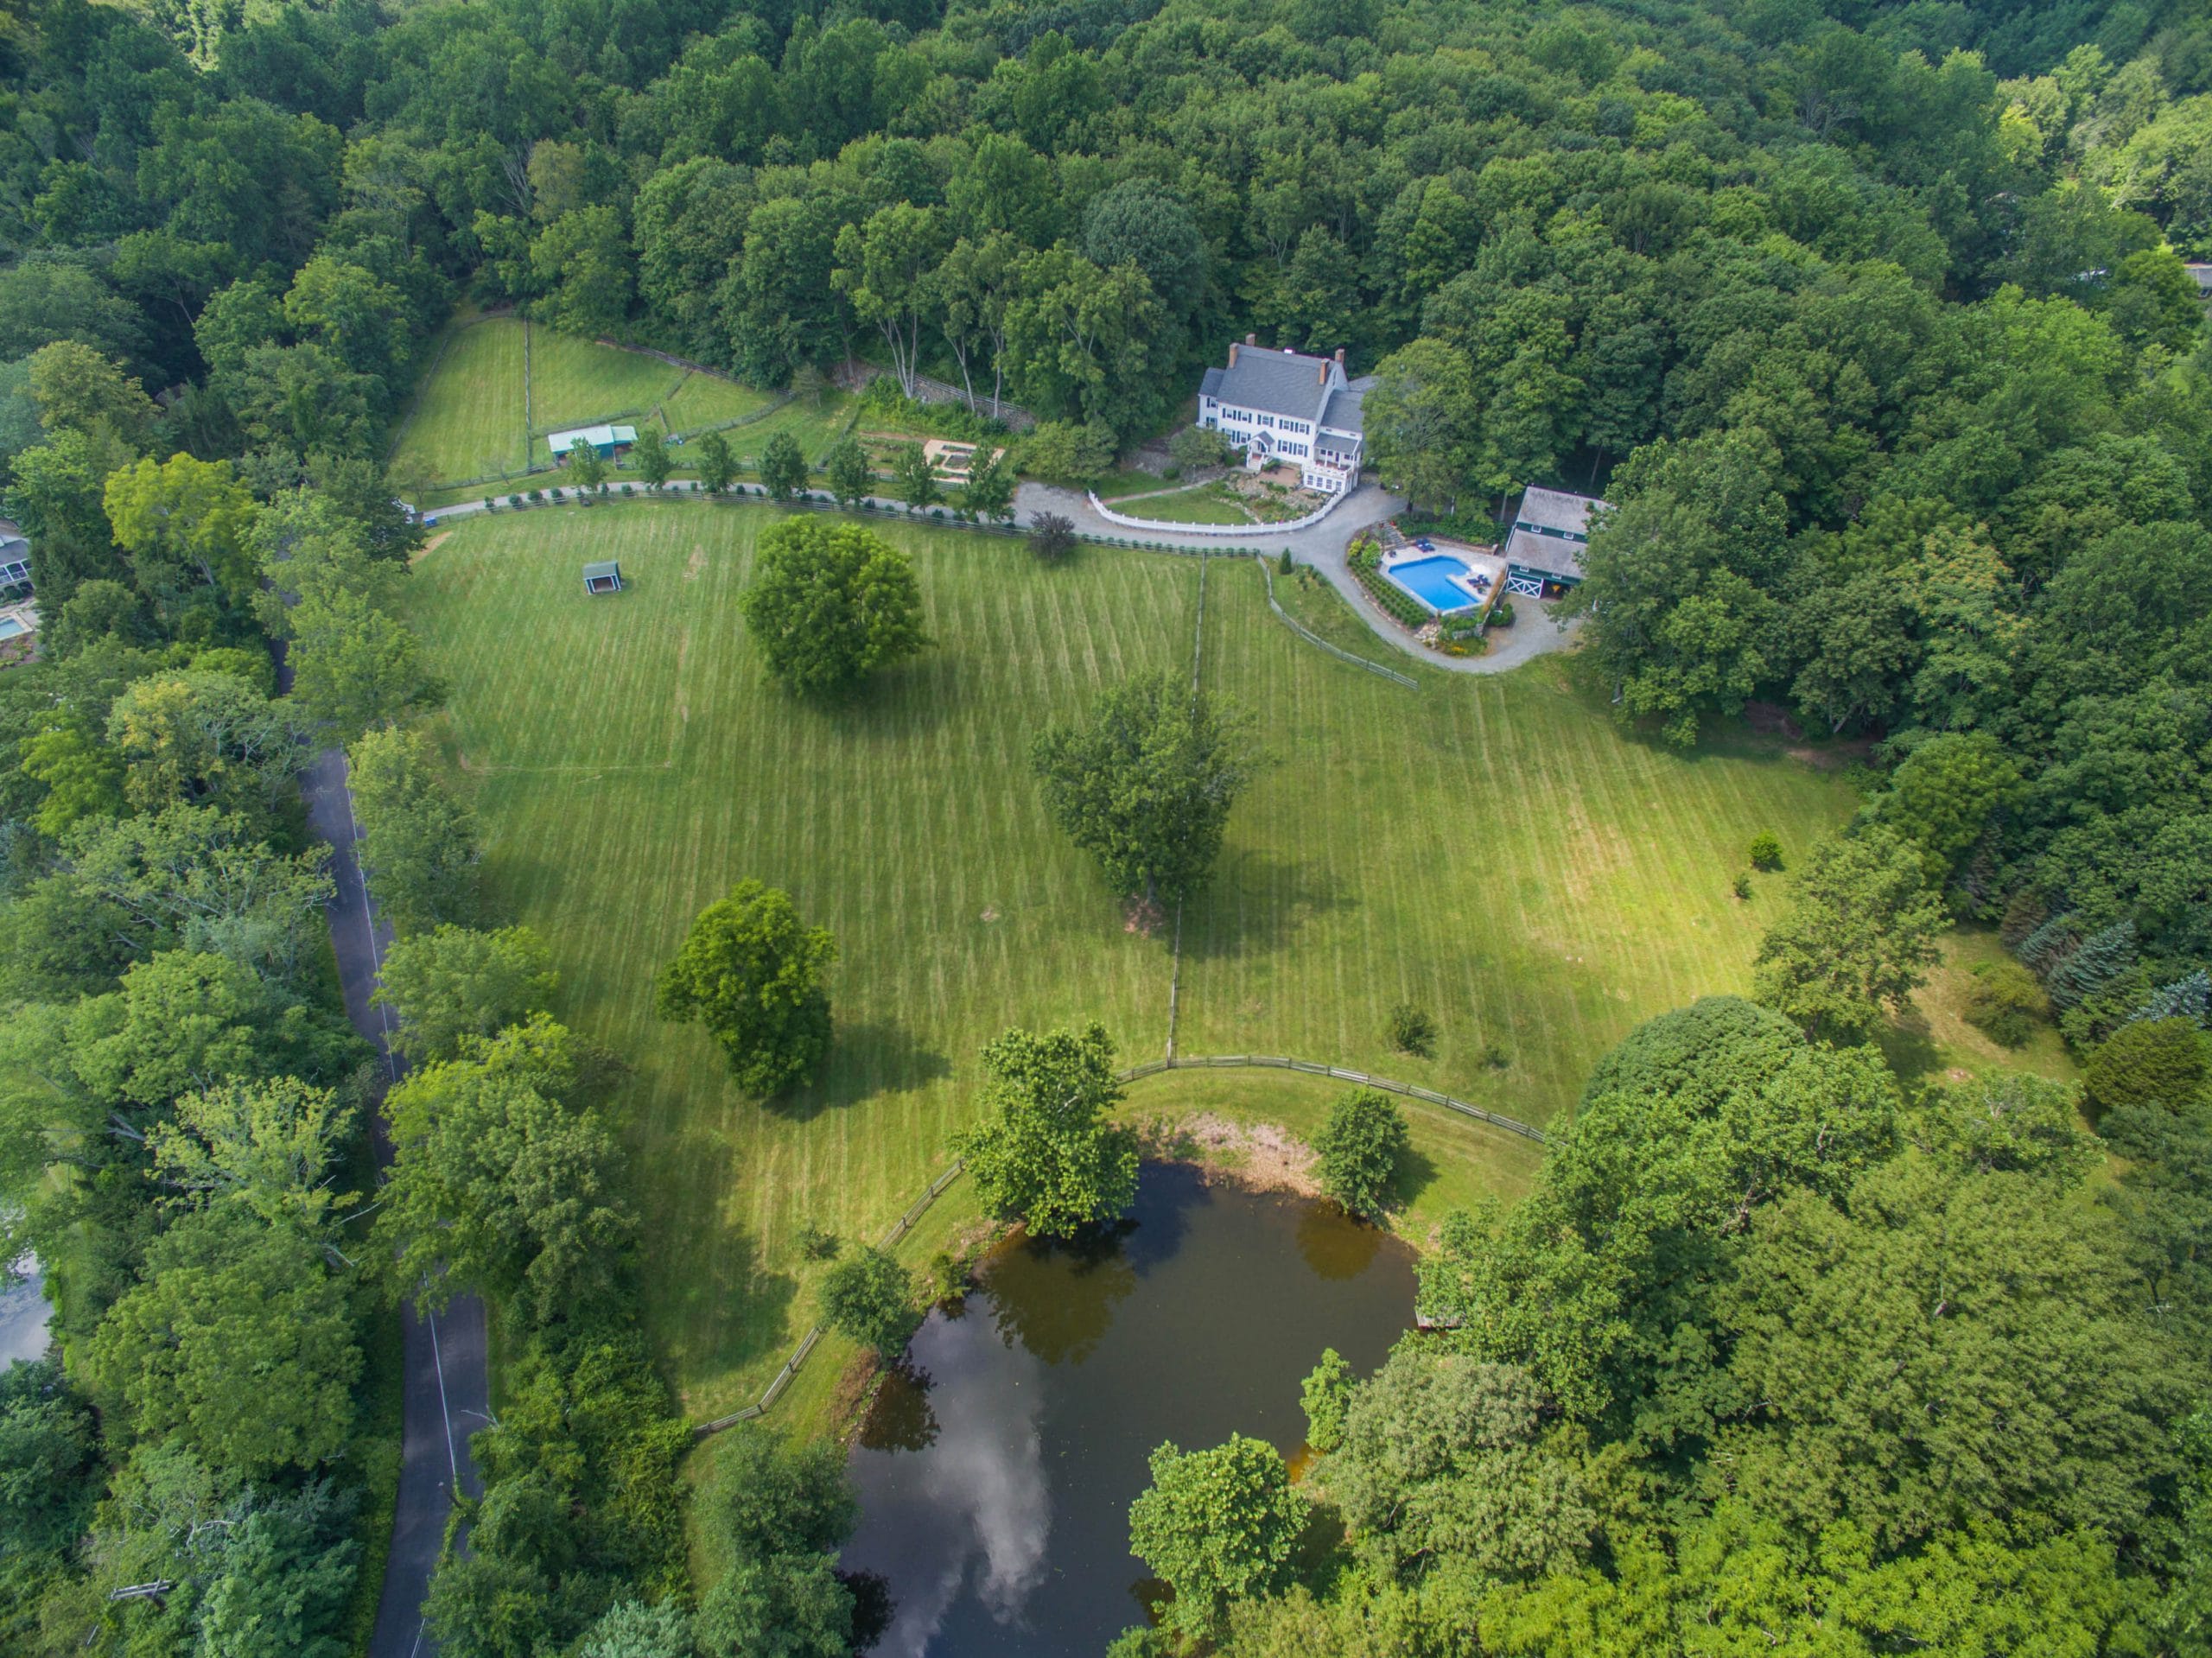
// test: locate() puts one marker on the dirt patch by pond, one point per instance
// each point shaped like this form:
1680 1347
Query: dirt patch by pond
1262 1156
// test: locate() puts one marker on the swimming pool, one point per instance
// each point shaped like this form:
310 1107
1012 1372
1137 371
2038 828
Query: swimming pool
1430 580
11 627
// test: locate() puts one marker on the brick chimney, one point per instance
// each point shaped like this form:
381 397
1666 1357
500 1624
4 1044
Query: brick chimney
1232 353
1340 357
1321 375
1251 339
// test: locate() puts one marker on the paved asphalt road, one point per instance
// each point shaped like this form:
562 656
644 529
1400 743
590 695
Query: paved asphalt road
447 1393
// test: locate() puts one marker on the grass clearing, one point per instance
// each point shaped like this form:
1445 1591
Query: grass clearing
1934 1041
582 382
467 419
1203 504
1489 848
704 400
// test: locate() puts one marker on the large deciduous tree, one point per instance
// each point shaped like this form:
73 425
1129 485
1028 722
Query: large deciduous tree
1044 1151
1220 1526
451 983
753 976
832 603
238 1336
884 268
1421 422
1857 939
1145 787
418 844
503 1180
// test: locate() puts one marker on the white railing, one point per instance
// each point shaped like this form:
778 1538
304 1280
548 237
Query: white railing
1161 526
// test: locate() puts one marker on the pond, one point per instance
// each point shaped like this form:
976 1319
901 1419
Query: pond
996 1469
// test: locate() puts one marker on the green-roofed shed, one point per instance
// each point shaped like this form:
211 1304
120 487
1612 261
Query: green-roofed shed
603 577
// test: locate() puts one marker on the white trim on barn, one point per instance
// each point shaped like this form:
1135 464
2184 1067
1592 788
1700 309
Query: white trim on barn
607 439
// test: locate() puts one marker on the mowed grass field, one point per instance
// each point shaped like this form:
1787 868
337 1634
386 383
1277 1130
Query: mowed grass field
477 415
581 383
1489 848
468 420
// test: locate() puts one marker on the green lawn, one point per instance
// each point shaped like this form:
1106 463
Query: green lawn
1204 503
582 382
704 400
466 420
1490 847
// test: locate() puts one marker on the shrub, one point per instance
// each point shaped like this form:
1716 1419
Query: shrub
488 507
514 500
1743 885
1195 447
1411 1030
627 489
1326 1395
1765 850
1359 1149
537 495
1052 537
869 1298
817 1243
1286 564
1501 613
557 492
2154 1062
1171 475
1495 1056
2004 1001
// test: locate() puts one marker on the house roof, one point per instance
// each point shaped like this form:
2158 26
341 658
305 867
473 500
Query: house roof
593 572
1280 382
1556 509
1342 410
1554 555
1325 444
599 437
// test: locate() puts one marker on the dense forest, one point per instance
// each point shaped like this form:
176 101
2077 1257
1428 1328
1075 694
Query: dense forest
1874 323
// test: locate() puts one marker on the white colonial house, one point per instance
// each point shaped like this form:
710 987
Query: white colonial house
1284 405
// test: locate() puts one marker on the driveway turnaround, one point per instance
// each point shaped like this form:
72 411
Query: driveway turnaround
447 1390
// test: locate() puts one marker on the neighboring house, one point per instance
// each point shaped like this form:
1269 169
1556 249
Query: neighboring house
2202 273
1544 552
609 441
1284 405
15 561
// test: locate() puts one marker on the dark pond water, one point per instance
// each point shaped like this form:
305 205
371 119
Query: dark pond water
996 1470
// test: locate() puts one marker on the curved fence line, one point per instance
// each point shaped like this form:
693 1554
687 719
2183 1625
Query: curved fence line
1161 525
1275 1062
1306 633
937 1187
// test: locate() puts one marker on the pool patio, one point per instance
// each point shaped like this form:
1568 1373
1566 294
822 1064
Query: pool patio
1483 578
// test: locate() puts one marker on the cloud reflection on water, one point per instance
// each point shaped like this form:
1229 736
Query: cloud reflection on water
976 1507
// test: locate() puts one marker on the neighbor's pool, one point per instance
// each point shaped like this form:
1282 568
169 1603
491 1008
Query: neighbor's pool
10 626
1429 580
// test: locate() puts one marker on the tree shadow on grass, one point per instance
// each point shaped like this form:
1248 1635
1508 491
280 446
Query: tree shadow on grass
1909 1045
1417 1172
867 1057
1258 904
891 706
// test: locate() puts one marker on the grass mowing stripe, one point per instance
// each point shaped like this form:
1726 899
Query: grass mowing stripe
1410 844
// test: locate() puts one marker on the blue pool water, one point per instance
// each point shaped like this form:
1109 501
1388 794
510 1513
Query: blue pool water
1429 580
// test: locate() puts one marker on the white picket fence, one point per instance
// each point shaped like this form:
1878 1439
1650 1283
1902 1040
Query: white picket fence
1250 531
